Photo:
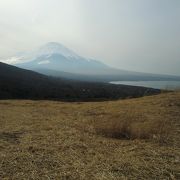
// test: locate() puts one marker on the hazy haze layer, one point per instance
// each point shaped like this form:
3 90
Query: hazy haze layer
141 35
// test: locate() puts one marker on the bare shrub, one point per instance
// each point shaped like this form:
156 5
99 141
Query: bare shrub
133 126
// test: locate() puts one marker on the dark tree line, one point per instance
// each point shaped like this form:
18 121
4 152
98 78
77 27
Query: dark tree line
16 83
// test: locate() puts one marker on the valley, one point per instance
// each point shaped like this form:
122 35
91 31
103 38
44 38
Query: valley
17 83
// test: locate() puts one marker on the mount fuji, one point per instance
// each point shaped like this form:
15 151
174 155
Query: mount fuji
54 59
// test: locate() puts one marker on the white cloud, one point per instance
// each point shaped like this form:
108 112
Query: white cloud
12 60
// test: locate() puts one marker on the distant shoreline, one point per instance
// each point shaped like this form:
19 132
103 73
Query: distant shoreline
165 85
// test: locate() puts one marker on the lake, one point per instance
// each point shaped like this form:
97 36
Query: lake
167 85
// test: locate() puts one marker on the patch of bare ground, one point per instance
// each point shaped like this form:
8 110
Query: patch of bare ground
127 139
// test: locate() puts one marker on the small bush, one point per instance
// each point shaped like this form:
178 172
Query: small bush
133 126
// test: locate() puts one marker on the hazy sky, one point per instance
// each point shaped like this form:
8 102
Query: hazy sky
140 35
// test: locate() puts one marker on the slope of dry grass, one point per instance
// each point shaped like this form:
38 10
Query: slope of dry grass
128 139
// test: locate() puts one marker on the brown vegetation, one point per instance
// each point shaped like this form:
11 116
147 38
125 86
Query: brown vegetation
126 139
132 124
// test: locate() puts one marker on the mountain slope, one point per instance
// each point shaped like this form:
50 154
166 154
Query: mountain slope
53 59
24 84
55 56
58 62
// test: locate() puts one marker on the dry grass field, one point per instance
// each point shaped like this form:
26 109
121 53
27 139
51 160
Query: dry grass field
125 139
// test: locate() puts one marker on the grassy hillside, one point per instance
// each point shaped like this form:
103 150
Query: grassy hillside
127 139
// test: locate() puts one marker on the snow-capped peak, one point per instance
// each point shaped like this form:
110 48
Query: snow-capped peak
46 51
55 48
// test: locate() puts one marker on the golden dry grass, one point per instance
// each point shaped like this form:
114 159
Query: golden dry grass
136 122
128 139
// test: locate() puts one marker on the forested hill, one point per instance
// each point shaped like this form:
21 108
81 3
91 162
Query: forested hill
17 83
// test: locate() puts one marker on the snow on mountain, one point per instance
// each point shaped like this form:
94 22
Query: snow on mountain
44 62
56 48
55 56
46 50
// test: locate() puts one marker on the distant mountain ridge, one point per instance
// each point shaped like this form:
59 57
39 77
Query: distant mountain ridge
54 59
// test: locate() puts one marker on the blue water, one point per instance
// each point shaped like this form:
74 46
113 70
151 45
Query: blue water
166 85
